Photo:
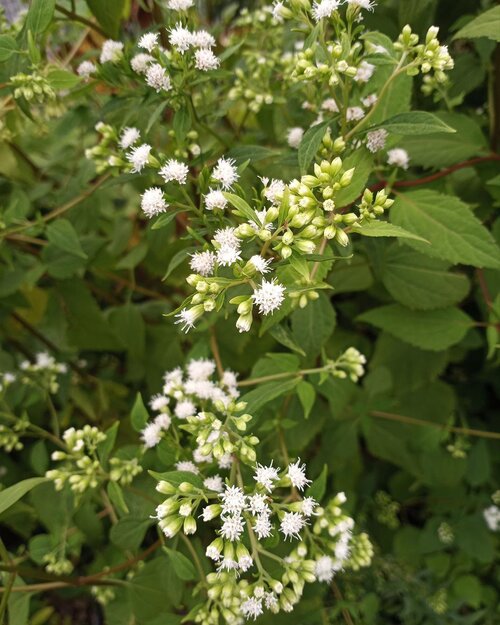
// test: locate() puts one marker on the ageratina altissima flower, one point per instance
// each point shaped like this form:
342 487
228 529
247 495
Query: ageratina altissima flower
111 52
398 157
86 69
129 137
174 170
153 202
294 137
225 172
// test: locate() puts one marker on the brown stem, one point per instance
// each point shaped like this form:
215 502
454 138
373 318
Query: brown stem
215 351
345 613
71 15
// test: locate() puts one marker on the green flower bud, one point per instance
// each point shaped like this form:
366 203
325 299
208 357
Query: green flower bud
189 525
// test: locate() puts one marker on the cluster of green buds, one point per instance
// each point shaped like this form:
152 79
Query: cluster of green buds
313 65
445 533
43 372
57 563
373 206
32 87
188 147
104 154
387 510
425 57
256 83
438 602
10 436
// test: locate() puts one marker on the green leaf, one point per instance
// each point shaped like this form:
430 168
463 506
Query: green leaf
105 447
134 257
467 588
181 124
10 495
475 539
434 330
415 123
362 161
265 393
243 208
177 477
253 153
284 336
166 218
307 396
108 14
317 489
40 15
62 79
385 229
115 494
455 234
420 282
8 47
310 144
150 590
129 532
183 567
313 325
62 234
485 25
139 415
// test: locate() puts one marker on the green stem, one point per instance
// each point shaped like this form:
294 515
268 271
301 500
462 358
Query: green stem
282 376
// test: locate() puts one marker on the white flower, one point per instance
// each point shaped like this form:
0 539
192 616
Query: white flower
233 500
244 323
342 549
257 504
188 317
265 476
174 170
270 601
262 526
291 525
252 608
297 475
398 157
294 136
203 263
180 38
269 296
492 517
363 4
187 465
330 105
215 199
201 369
148 41
277 14
214 483
157 78
324 569
354 113
375 140
140 62
273 191
364 72
86 69
151 435
308 505
261 264
158 402
163 420
128 137
199 457
185 409
245 562
212 552
152 202
232 527
203 39
111 52
206 60
225 461
225 172
227 256
228 246
370 100
139 157
226 236
179 5
324 8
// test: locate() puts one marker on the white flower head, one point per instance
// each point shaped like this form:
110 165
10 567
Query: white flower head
203 263
225 172
151 435
252 608
294 137
157 78
158 402
291 525
232 527
174 170
362 4
330 105
203 39
140 62
375 140
273 191
277 11
206 60
399 158
364 72
233 500
263 527
324 8
148 41
370 100
297 475
214 483
257 504
163 420
139 157
179 5
86 69
324 569
354 113
185 409
266 476
187 317
129 136
492 517
308 506
111 52
269 296
188 466
261 264
201 369
152 202
215 199
225 461
180 38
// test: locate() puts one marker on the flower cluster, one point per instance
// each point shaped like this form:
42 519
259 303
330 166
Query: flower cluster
44 371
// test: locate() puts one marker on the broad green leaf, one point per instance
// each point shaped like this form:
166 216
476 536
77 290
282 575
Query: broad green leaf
62 234
385 229
313 325
434 330
468 587
362 161
10 495
243 208
139 415
177 477
166 218
108 14
181 124
134 257
415 123
129 531
307 396
40 15
183 567
485 25
62 79
265 393
105 447
475 539
454 232
8 47
115 494
420 282
317 489
150 589
443 149
310 144
284 336
351 276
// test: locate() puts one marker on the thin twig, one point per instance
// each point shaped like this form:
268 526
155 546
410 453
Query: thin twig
345 612
215 351
79 18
